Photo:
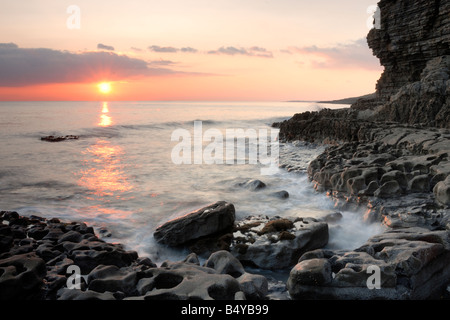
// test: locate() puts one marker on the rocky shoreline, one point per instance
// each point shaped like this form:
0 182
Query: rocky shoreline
38 258
388 154
399 173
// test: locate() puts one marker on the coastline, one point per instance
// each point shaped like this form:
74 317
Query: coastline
413 252
398 173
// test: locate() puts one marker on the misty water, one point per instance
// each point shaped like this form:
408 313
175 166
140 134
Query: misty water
120 175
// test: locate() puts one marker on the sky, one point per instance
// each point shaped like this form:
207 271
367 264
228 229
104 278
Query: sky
186 50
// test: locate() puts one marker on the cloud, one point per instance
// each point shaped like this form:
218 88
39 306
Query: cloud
172 49
188 49
354 55
163 49
101 46
162 63
253 52
31 66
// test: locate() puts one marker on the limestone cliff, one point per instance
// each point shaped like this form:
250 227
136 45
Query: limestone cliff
413 45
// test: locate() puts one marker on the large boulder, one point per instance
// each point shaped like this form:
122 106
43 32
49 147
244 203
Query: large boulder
206 221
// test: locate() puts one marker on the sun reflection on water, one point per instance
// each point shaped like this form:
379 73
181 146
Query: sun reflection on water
105 120
104 174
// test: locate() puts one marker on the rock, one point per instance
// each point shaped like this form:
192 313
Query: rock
283 194
388 189
225 263
107 254
111 278
419 183
253 286
277 243
315 272
21 276
276 225
59 138
442 191
206 221
108 271
332 217
70 294
185 282
253 184
412 264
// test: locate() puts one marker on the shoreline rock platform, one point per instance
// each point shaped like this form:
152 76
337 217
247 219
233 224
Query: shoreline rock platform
388 153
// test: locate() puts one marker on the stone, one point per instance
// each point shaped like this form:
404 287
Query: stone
254 286
59 138
442 191
21 276
278 243
419 183
111 278
283 194
388 189
70 294
412 264
252 184
225 263
316 272
208 220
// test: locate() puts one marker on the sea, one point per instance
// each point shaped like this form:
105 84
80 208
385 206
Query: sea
124 177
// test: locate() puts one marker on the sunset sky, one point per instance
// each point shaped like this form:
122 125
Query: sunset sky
191 50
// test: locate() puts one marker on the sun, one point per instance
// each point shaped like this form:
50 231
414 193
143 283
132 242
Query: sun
104 87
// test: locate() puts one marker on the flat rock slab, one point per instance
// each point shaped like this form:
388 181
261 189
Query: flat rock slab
203 222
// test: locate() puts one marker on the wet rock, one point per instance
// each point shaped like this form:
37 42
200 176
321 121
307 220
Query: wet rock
224 262
442 191
283 194
109 272
277 243
253 184
21 276
412 264
70 294
59 138
206 221
111 278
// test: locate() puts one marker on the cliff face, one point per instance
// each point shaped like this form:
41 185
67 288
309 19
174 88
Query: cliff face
413 44
411 34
